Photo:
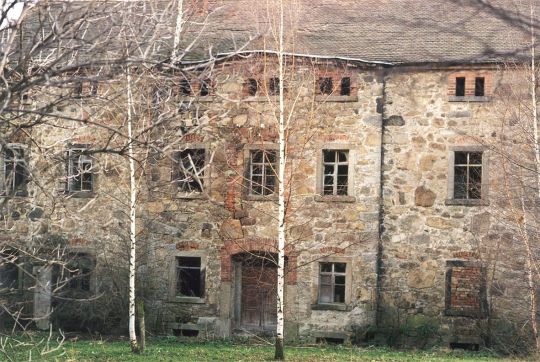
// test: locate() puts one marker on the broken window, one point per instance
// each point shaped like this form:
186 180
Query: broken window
460 86
189 277
325 85
345 86
479 83
262 172
465 289
273 86
185 87
188 171
335 172
467 175
79 272
252 87
80 175
204 88
9 270
332 282
14 175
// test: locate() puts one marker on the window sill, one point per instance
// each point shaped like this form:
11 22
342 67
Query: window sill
80 194
191 300
331 98
335 198
192 196
464 313
271 98
466 202
469 99
322 306
260 197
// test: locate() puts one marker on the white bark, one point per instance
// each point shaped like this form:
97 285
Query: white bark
132 216
534 101
177 31
281 193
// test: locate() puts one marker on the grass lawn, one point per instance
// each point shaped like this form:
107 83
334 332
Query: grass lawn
171 349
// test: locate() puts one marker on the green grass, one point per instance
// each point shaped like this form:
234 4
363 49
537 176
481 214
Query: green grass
172 349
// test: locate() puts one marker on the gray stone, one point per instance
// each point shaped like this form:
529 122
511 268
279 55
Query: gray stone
15 215
394 121
459 114
35 214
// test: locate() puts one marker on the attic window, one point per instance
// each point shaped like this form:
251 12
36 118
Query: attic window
185 87
460 87
345 86
479 83
252 87
325 85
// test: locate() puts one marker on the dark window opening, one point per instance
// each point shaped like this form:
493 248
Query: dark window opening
460 86
189 169
80 177
79 272
479 83
335 172
253 87
345 86
332 282
465 346
468 175
185 332
330 340
189 277
262 172
14 172
205 87
94 87
185 87
9 270
326 85
273 86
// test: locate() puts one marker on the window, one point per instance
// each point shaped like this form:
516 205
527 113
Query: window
253 87
9 270
188 173
262 172
185 87
479 86
273 86
325 85
345 86
335 172
465 289
204 88
460 86
14 171
80 175
79 272
189 277
332 278
467 175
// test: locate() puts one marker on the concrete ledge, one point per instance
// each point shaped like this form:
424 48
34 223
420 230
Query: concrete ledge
469 99
340 307
331 98
466 202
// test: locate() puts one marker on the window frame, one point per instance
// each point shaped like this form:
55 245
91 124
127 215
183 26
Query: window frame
484 192
70 175
205 179
77 276
316 284
248 150
173 296
4 191
350 196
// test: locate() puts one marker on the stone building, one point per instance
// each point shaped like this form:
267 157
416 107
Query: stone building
393 218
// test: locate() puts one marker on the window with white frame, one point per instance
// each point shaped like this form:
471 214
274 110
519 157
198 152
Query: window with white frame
262 172
335 172
189 167
80 176
332 282
467 175
14 175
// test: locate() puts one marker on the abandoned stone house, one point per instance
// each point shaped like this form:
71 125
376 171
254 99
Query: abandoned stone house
392 184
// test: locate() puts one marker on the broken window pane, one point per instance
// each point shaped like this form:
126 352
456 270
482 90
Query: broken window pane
189 170
262 172
80 172
189 277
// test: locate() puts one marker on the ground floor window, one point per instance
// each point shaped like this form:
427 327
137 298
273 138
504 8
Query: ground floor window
332 280
189 276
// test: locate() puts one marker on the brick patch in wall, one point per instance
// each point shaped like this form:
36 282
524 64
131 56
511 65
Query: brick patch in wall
465 289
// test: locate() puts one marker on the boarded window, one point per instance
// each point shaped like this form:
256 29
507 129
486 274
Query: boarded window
14 171
465 289
188 171
80 177
345 86
9 270
332 282
189 277
335 172
262 172
467 175
479 84
325 85
460 86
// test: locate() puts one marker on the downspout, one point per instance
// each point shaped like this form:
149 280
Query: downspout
381 109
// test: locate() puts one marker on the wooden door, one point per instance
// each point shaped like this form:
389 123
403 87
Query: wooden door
258 309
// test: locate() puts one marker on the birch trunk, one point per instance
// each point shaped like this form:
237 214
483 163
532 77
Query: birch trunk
534 101
279 353
177 31
132 218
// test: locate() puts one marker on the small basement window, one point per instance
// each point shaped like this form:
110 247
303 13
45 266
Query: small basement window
345 86
181 332
330 340
479 84
325 85
460 87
